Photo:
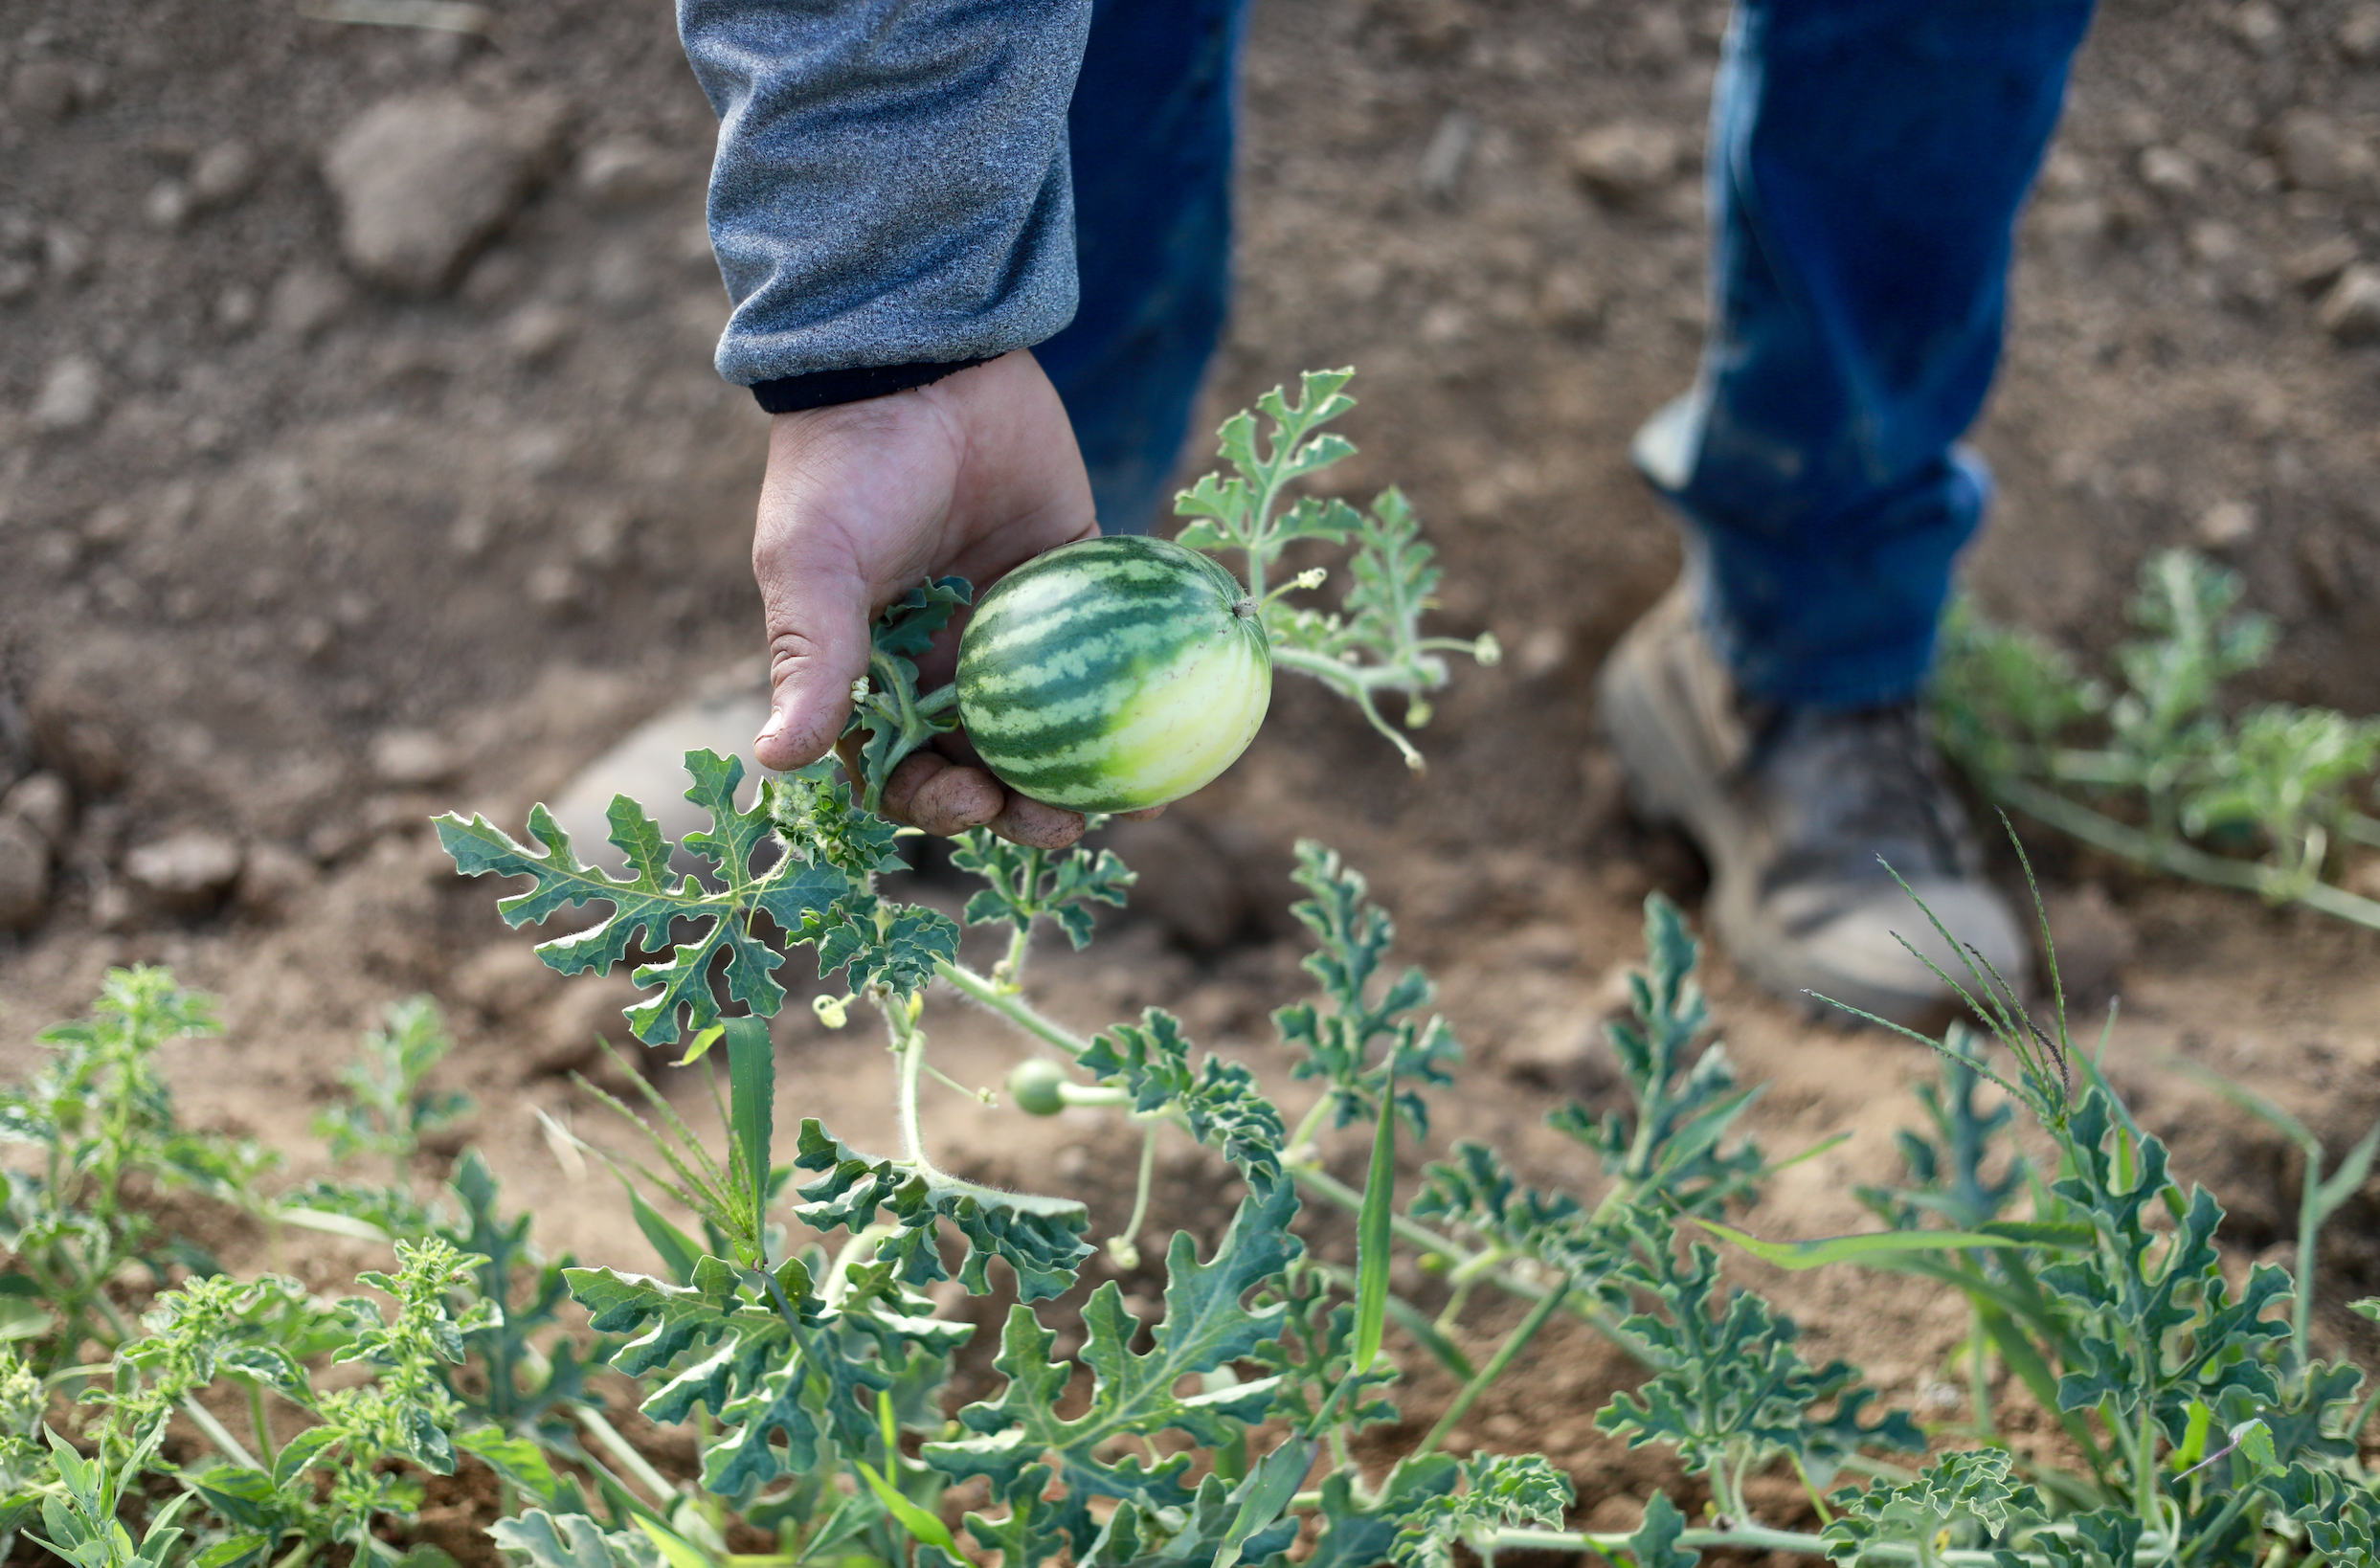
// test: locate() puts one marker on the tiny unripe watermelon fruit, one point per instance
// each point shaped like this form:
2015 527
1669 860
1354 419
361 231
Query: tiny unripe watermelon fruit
1038 1086
1114 674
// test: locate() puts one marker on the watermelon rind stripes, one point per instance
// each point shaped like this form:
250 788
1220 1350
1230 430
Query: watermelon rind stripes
1114 674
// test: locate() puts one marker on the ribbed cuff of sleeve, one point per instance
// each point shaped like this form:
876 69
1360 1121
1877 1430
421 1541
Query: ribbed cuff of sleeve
824 388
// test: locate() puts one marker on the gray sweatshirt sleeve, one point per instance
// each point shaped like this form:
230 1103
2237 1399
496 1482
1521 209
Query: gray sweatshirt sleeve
891 183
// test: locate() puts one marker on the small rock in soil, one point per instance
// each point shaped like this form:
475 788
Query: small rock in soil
1628 161
73 733
2168 172
2318 266
167 204
1568 300
2226 526
44 804
1186 884
43 92
624 170
587 1011
306 299
66 254
1448 154
537 332
2317 154
505 981
272 881
2095 942
2359 35
2258 26
186 874
1565 1055
414 759
222 174
70 394
2214 242
112 908
2350 312
236 308
422 180
24 874
557 587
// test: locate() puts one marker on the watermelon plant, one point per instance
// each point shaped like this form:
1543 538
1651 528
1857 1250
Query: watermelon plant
1098 657
2156 771
2190 1420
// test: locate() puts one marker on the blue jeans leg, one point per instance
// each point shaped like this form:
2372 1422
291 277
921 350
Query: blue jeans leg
1151 128
1868 158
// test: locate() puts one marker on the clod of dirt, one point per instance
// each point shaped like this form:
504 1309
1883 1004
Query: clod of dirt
505 981
1628 161
43 92
2094 943
414 759
2350 312
71 394
186 874
2225 525
538 331
222 174
305 300
2316 154
73 733
2317 267
422 180
2359 35
624 171
2169 173
43 803
565 1036
273 878
2260 26
1184 883
24 874
66 254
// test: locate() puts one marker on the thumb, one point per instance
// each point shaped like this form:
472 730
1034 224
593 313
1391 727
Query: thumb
818 646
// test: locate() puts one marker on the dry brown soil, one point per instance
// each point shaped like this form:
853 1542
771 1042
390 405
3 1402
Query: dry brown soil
298 514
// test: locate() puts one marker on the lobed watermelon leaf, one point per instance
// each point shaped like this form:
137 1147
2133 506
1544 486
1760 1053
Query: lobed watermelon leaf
648 905
1023 884
1219 1099
1351 939
1040 1238
1499 1492
1019 1442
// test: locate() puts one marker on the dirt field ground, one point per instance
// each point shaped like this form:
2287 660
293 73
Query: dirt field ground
302 540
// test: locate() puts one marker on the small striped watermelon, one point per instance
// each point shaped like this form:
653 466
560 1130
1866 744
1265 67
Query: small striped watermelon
1114 674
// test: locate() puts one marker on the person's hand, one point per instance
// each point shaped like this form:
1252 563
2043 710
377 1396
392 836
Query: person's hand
972 475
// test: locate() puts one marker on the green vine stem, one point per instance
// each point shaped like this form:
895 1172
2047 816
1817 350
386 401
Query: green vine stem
2147 849
1761 1539
1513 1343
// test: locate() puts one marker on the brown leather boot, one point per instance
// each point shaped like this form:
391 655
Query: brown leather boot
1793 808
